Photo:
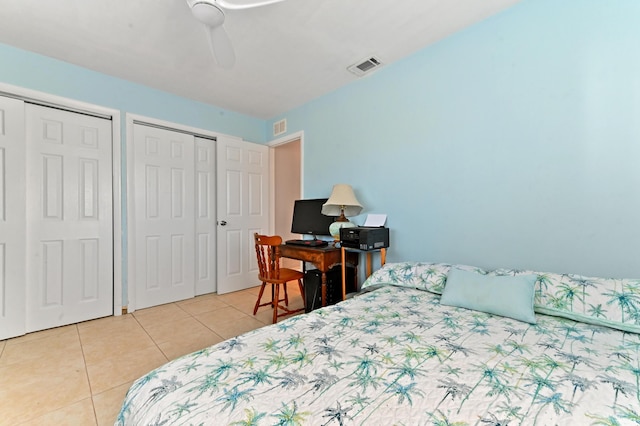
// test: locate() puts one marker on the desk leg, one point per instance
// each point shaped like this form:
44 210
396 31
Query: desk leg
344 274
368 264
383 256
324 289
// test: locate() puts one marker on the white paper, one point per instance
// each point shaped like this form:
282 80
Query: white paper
375 220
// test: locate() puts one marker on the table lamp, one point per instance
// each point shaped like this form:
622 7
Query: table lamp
341 203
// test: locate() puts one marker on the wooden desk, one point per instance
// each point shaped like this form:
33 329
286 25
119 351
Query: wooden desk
346 250
322 258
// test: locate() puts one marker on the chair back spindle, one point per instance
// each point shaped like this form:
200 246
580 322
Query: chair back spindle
268 256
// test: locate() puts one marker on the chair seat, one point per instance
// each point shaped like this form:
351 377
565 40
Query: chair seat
286 275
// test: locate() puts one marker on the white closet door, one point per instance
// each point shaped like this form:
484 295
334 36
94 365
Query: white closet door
69 213
165 222
243 209
12 218
205 210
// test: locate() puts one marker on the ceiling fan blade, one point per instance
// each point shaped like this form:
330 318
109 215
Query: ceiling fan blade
235 6
221 46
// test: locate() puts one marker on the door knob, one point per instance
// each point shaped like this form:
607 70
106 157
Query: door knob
223 223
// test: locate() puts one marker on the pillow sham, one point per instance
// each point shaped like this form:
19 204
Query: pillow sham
507 296
609 302
430 277
423 276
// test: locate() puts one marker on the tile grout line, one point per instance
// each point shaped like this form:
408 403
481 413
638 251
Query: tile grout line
232 304
205 325
86 373
151 337
177 305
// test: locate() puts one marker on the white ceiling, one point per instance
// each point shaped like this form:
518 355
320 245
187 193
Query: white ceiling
287 53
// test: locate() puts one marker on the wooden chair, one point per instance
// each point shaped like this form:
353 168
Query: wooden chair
270 272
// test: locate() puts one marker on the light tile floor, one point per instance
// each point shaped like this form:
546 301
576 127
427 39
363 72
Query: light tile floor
80 373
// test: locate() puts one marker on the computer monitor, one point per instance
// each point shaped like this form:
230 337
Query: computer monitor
308 218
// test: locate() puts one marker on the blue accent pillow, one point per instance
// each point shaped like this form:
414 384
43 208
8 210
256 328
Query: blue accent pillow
507 296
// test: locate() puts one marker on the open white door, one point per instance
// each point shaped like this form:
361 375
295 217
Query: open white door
243 209
12 218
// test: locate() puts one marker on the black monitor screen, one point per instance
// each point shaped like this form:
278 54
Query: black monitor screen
308 218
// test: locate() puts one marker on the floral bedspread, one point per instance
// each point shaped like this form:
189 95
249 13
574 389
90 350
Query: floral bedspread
395 356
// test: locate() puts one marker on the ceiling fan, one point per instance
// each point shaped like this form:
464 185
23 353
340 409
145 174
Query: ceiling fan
212 14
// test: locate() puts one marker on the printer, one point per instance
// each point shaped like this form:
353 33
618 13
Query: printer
365 237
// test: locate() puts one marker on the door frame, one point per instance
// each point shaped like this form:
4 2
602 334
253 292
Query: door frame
272 190
130 120
49 100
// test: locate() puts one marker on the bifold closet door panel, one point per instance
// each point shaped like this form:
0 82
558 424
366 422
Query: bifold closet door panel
164 221
70 219
205 212
12 218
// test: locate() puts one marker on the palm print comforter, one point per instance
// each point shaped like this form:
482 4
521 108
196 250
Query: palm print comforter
396 356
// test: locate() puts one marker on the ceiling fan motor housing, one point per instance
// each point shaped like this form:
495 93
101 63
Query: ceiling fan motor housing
208 13
211 14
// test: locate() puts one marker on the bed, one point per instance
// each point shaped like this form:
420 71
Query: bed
397 355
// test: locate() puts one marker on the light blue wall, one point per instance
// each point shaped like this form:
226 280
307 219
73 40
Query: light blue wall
514 143
37 72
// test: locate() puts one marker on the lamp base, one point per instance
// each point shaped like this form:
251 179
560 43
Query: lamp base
334 228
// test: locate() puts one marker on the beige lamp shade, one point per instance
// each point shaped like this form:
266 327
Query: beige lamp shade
341 203
342 200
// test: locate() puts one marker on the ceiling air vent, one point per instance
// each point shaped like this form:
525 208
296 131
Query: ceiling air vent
365 66
280 127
